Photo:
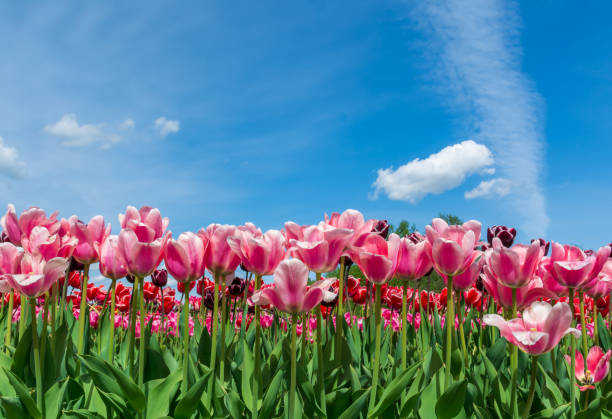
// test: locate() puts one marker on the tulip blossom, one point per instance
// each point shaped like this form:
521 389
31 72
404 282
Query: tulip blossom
504 234
290 293
412 260
452 247
17 228
573 268
376 257
90 237
352 220
466 280
259 254
10 257
321 247
42 242
110 264
40 275
184 258
597 367
540 328
147 223
513 267
502 294
219 258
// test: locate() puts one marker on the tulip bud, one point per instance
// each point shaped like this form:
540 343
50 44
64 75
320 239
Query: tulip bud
381 228
159 277
504 234
237 286
208 300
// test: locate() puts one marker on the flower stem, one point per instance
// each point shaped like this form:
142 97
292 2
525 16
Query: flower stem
573 364
377 349
223 327
320 366
583 327
132 337
534 369
43 336
514 364
404 325
111 341
257 350
595 325
461 330
9 322
185 384
143 327
37 369
340 311
213 349
23 315
83 309
294 320
450 323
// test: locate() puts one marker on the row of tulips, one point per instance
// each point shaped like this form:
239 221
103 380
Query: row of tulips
237 341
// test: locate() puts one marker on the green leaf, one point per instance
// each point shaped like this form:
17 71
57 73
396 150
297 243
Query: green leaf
13 408
160 397
24 394
247 375
269 400
188 403
394 390
551 413
54 398
451 402
354 410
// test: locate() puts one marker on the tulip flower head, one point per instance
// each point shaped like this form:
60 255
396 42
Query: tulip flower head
110 263
321 247
513 267
259 254
540 328
219 258
16 228
598 367
37 275
376 257
412 260
184 258
573 268
452 247
90 237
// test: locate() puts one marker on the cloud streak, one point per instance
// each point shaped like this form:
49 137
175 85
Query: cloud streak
475 52
74 134
10 164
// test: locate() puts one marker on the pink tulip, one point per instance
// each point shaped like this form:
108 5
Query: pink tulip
290 293
184 258
599 287
321 247
49 245
259 255
90 237
513 267
10 258
219 258
351 220
502 294
540 328
598 367
412 261
572 268
18 228
147 223
40 275
110 263
140 258
466 280
452 247
375 257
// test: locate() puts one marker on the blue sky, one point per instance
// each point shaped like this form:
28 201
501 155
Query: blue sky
283 111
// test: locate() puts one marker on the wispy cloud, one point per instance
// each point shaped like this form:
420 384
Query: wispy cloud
494 188
476 54
128 124
77 135
10 164
439 172
166 126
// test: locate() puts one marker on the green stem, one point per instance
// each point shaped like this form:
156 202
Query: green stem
23 314
37 369
185 384
585 350
450 324
595 321
43 336
143 329
534 369
111 341
573 363
213 350
320 366
83 310
375 371
223 328
404 325
63 295
294 320
257 353
54 292
340 311
462 331
132 337
514 363
9 322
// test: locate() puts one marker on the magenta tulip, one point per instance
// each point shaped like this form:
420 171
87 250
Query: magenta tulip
412 260
502 294
219 258
597 364
17 228
259 255
140 258
184 258
351 220
290 293
467 278
513 267
110 263
375 257
540 328
90 237
40 275
573 268
321 247
10 258
147 223
452 247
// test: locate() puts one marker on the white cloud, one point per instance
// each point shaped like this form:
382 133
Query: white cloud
166 126
494 188
439 172
475 51
127 124
75 135
10 165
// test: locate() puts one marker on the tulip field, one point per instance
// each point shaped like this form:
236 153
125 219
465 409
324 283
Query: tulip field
278 325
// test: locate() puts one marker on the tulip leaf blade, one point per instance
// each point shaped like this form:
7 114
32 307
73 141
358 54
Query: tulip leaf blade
451 402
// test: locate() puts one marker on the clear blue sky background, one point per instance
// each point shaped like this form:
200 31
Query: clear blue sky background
279 111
